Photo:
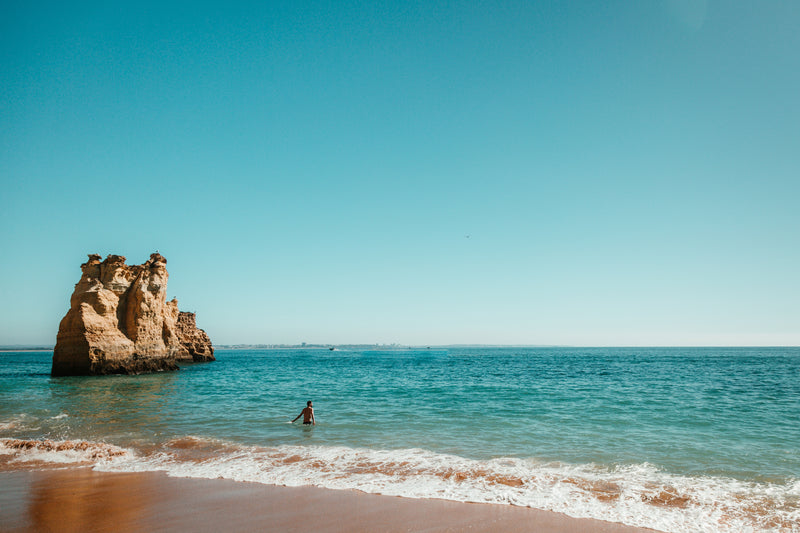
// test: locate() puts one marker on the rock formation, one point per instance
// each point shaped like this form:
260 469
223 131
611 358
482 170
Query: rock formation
195 344
120 322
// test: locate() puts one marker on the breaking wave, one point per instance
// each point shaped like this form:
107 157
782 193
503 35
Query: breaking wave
23 453
637 495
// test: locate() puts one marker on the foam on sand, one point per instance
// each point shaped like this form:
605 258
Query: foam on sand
32 453
637 495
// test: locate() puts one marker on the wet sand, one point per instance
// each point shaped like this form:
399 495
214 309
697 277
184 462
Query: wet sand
80 499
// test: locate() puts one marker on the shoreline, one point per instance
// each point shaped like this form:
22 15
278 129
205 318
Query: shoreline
82 499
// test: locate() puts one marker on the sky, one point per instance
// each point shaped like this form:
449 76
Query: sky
558 173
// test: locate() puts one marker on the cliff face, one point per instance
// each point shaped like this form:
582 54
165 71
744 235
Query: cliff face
195 344
119 321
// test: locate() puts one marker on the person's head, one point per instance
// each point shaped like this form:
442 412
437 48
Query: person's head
309 404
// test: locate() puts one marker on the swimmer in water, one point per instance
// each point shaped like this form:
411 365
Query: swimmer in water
307 414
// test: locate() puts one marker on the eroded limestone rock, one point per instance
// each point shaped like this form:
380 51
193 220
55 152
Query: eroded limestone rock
120 321
195 344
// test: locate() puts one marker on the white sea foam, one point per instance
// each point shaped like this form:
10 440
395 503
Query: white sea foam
59 452
638 495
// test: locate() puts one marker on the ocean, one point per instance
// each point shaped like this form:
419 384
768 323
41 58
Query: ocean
675 439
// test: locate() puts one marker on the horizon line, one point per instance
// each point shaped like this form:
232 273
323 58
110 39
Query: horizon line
326 346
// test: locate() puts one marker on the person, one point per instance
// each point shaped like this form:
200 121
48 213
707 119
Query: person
307 414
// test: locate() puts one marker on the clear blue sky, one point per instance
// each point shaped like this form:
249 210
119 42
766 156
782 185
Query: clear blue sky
586 173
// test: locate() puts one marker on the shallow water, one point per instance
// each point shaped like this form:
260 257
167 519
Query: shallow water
670 438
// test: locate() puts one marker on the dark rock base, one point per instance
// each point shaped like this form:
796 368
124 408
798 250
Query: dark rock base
129 366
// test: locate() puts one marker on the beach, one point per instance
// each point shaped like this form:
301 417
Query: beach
531 265
478 439
80 499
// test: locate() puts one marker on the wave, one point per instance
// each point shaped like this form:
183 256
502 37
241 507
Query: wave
638 495
19 423
22 453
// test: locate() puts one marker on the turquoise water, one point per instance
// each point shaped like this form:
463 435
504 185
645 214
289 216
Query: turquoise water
671 438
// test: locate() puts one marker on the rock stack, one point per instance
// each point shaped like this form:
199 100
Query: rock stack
195 344
120 322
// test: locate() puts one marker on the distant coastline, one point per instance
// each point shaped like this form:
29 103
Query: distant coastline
394 346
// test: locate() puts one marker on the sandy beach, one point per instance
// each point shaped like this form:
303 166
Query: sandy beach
80 499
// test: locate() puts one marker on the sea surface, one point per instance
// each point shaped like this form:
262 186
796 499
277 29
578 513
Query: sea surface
675 439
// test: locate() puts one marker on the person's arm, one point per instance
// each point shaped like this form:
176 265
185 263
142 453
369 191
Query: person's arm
313 420
298 416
